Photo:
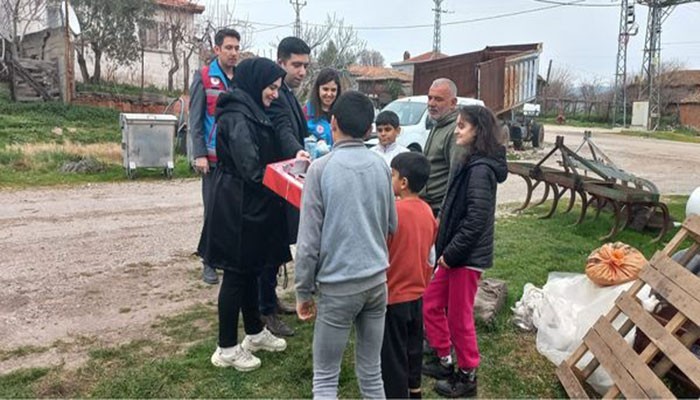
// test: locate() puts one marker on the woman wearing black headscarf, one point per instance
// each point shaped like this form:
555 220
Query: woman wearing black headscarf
245 225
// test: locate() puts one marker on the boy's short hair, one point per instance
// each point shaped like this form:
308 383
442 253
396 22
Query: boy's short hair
291 45
413 166
354 112
224 33
387 118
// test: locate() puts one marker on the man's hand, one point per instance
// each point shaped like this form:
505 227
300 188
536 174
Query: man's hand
442 263
201 164
304 155
306 310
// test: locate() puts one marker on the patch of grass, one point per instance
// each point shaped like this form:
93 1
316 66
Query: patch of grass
19 384
527 249
22 123
19 170
21 352
680 135
577 122
120 88
195 324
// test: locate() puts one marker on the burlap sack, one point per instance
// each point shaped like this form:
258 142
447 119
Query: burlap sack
614 263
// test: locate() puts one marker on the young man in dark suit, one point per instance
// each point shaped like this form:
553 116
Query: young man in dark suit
286 115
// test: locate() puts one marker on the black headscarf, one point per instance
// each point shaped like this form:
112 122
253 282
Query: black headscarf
254 75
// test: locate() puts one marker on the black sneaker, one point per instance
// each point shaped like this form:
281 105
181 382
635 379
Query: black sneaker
437 369
460 384
209 275
276 325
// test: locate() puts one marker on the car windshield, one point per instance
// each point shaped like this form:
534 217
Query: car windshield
409 112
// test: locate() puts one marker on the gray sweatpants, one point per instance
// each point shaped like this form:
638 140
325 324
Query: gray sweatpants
336 315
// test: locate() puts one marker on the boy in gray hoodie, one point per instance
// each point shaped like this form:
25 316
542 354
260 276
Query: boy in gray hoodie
347 212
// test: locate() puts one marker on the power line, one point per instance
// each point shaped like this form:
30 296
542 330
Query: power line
576 5
464 21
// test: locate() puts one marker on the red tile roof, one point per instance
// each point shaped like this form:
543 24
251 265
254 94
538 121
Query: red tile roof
692 99
366 73
431 55
187 5
688 77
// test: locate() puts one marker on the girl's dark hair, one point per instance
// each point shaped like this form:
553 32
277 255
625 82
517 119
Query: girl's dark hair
486 142
326 75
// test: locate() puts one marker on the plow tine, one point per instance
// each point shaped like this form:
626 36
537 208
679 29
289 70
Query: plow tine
616 224
555 201
667 221
572 201
599 204
528 196
544 196
584 206
629 215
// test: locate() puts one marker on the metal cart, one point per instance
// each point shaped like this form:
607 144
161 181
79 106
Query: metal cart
148 142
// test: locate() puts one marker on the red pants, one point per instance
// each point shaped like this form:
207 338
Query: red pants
448 314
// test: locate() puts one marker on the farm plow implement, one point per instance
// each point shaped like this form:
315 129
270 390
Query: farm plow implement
596 181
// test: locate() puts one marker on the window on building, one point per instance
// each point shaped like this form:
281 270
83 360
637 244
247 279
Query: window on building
156 37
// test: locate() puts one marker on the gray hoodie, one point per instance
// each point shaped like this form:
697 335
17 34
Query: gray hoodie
347 212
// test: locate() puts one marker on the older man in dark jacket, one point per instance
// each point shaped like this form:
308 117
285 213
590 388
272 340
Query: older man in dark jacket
288 119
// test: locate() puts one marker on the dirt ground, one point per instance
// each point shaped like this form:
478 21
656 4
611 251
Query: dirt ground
98 264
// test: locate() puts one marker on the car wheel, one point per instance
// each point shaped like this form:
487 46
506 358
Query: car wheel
537 133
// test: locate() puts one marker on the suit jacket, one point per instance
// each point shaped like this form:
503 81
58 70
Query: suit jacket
288 119
286 115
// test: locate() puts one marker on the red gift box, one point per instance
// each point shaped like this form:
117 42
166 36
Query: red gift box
286 178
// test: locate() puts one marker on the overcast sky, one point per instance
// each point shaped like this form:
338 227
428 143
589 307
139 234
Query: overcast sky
581 39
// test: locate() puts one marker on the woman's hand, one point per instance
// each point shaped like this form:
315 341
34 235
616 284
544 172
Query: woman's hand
442 263
306 310
304 155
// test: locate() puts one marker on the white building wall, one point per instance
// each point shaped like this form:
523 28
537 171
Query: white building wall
156 61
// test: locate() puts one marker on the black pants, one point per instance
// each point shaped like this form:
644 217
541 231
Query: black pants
207 187
268 289
238 293
402 350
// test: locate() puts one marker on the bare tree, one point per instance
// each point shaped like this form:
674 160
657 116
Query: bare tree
371 58
180 29
672 89
16 17
110 28
333 44
558 90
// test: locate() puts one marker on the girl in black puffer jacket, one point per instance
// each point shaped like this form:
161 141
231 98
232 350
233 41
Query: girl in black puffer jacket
465 249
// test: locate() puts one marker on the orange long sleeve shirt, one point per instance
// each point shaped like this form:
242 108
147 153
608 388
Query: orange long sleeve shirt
409 249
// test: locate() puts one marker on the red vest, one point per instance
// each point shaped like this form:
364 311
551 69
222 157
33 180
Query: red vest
213 86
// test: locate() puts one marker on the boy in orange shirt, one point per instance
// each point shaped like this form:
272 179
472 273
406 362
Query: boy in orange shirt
407 277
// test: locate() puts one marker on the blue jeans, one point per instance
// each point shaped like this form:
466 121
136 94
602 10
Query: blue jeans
336 316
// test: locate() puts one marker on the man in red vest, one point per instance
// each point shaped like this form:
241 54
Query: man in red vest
207 84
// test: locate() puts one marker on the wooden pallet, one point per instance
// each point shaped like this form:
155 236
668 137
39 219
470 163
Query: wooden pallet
631 373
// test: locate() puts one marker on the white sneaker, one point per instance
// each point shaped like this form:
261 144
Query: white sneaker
238 358
263 341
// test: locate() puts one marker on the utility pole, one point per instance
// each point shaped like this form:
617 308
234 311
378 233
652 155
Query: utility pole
628 28
298 5
69 79
437 34
659 10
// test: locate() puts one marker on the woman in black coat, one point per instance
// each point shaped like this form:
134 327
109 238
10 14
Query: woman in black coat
245 225
465 249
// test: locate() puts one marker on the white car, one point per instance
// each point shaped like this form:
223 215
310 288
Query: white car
415 121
